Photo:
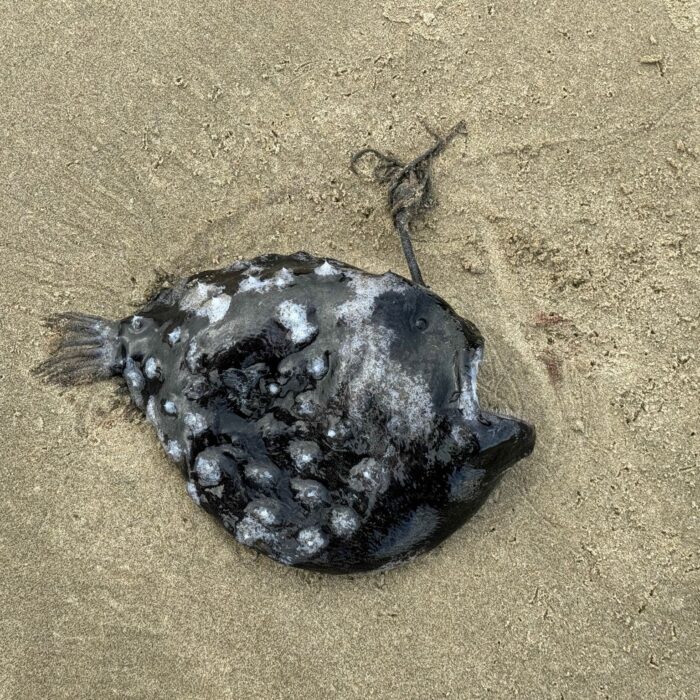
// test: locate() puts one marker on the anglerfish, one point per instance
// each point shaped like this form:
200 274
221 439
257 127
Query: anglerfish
326 416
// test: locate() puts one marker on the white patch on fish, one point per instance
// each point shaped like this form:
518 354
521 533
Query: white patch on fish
206 300
293 317
193 493
215 309
174 450
318 367
468 399
326 270
281 279
134 380
360 307
370 375
174 335
208 470
344 521
311 540
196 422
151 368
250 530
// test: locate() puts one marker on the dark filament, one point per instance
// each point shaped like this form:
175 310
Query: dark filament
409 187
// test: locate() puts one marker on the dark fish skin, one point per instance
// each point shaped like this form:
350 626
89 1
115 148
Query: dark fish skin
326 416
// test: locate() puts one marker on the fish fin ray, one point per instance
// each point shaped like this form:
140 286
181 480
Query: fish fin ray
85 351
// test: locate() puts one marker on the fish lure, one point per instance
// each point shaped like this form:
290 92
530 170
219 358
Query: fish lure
326 416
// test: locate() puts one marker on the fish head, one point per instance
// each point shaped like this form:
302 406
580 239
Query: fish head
443 351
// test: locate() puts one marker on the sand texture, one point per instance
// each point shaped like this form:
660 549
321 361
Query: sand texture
141 138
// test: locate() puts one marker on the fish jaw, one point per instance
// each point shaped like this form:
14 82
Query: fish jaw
503 440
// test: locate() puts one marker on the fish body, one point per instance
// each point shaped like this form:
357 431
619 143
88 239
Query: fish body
326 416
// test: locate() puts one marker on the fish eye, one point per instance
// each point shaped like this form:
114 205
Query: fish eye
421 324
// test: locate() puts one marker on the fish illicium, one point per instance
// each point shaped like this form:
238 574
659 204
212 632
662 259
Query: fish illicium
328 417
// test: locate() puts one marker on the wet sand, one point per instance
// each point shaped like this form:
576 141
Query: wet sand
568 229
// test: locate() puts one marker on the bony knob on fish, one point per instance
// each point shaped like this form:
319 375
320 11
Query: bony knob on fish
328 417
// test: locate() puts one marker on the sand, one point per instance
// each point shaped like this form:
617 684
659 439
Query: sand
188 134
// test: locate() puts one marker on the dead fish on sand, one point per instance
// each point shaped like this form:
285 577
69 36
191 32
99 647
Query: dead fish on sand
328 417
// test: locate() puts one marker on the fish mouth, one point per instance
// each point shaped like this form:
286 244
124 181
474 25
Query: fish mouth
503 440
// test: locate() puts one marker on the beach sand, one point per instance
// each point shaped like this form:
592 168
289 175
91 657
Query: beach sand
189 134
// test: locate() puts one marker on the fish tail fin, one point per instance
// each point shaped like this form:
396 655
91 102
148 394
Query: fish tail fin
86 349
